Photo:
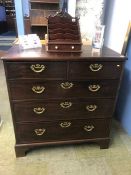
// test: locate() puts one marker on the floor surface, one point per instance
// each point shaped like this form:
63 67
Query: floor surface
85 159
6 40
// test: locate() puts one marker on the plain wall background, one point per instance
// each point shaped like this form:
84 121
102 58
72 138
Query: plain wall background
123 108
117 16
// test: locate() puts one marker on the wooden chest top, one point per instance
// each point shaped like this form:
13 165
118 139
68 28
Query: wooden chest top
40 54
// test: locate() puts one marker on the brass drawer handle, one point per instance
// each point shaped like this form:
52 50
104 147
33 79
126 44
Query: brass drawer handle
91 108
37 68
38 89
88 128
67 85
39 110
40 131
95 67
66 104
65 124
94 87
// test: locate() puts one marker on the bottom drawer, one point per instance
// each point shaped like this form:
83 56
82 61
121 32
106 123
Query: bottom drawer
62 130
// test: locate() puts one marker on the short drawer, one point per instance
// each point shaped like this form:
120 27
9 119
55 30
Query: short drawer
62 130
47 70
64 47
21 90
62 110
94 70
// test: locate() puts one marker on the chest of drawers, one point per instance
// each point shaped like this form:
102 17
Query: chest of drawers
62 98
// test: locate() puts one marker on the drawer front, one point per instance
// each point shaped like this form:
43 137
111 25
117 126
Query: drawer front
56 89
64 47
94 70
63 130
62 110
47 70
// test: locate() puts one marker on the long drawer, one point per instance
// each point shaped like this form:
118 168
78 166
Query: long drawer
62 110
38 89
44 70
62 130
94 70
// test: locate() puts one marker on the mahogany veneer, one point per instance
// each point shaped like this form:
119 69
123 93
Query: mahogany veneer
62 98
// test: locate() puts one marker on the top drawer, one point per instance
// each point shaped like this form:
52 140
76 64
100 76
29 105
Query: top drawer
94 70
47 70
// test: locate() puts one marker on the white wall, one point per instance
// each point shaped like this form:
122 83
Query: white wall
118 14
91 13
72 7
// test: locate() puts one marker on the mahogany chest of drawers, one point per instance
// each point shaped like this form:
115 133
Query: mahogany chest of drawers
61 98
